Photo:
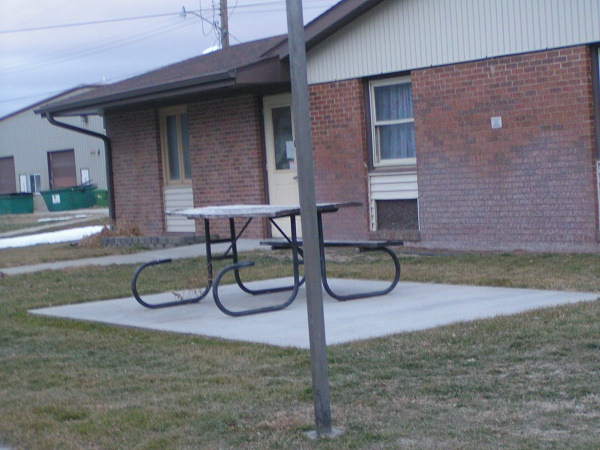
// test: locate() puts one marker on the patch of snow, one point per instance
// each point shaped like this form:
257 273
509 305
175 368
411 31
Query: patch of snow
59 219
53 237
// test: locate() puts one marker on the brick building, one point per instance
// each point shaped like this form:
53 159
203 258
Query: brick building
464 124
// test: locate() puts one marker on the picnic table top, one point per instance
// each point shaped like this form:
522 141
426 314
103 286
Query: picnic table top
229 211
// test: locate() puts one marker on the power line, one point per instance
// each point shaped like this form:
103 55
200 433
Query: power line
116 42
280 6
123 40
80 24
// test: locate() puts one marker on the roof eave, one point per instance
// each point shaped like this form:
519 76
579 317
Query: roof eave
50 99
329 23
178 88
261 73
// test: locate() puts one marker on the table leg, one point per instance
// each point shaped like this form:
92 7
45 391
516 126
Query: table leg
340 297
239 265
209 268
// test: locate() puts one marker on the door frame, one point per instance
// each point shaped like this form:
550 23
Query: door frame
271 102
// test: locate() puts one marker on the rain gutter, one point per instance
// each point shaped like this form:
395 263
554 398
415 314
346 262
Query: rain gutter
107 154
141 95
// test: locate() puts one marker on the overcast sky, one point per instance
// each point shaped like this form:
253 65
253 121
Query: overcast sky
44 52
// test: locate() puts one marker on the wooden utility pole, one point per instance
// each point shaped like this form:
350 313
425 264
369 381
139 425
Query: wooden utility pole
224 29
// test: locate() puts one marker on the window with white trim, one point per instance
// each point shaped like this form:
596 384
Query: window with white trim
176 146
392 122
35 182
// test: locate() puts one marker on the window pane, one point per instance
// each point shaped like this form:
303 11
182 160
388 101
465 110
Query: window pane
185 147
282 137
396 141
35 182
393 102
172 148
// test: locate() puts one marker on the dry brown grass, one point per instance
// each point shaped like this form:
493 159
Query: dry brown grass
95 240
525 381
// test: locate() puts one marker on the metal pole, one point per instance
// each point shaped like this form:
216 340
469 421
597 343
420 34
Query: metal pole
308 214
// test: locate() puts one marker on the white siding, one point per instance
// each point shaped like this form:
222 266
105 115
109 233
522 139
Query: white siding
401 35
179 197
29 138
393 186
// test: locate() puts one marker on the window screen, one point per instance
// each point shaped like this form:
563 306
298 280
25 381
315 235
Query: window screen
397 215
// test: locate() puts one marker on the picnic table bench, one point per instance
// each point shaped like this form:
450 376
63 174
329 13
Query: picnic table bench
361 245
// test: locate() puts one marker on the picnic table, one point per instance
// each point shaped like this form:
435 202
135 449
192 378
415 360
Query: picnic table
288 241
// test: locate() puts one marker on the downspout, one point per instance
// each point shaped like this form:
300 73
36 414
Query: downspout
107 154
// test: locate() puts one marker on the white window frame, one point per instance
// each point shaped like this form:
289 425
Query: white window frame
32 187
174 111
377 162
23 187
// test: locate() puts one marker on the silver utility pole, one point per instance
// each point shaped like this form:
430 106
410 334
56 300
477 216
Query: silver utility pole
308 214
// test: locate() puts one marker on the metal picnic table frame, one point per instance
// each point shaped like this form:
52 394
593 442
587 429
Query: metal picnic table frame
271 213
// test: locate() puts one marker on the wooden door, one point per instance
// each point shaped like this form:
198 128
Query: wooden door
61 169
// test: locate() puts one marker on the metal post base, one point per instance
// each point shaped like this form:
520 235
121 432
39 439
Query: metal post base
335 432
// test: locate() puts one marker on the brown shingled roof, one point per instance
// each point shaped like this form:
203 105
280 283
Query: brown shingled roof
249 64
223 68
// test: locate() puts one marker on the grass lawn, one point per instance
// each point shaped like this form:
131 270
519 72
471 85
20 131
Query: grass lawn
25 223
52 221
38 254
525 381
14 222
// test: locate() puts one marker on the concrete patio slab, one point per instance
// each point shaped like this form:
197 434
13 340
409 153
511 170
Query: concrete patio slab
410 307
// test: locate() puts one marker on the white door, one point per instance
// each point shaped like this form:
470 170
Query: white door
281 156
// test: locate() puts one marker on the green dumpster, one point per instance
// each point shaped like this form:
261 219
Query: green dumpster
76 197
17 203
101 196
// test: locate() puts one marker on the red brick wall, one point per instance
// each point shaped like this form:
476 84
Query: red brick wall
227 162
528 185
339 150
137 170
227 156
